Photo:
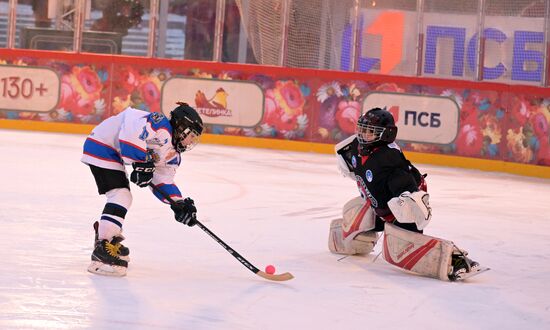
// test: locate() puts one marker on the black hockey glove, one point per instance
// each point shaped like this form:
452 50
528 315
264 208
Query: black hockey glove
142 173
185 212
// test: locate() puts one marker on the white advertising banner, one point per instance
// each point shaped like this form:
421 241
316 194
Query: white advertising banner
28 88
419 118
219 102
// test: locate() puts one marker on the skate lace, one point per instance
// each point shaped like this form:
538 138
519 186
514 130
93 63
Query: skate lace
116 244
116 248
112 249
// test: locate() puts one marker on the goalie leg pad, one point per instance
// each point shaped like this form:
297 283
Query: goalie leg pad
418 253
353 234
357 216
361 243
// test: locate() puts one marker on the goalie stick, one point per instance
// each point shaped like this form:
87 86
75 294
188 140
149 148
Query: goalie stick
273 277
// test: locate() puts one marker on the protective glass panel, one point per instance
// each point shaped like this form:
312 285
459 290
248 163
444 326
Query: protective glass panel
47 25
117 27
235 46
514 41
170 41
263 21
321 34
448 26
388 34
4 10
186 29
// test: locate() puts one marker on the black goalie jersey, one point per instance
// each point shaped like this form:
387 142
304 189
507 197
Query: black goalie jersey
383 174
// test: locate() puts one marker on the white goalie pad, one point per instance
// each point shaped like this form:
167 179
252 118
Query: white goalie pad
412 208
361 243
418 253
352 234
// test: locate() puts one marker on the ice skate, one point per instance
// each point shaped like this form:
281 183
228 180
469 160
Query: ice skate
464 267
122 251
105 260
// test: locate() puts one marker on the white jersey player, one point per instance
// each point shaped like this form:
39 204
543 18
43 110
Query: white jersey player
151 143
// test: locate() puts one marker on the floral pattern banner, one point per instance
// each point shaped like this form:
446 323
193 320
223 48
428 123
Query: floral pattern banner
496 125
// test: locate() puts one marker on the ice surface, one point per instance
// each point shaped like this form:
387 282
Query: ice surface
273 207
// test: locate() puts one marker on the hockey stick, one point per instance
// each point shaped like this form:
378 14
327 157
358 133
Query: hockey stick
273 277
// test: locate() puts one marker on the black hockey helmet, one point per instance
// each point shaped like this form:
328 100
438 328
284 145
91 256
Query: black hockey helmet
375 127
187 127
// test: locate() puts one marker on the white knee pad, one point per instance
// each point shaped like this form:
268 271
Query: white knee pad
120 196
119 201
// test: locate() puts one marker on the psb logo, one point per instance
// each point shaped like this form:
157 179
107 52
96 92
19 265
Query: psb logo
368 175
354 161
390 26
394 110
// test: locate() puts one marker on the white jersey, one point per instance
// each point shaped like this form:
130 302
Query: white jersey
136 136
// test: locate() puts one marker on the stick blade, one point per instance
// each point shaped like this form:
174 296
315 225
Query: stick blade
275 277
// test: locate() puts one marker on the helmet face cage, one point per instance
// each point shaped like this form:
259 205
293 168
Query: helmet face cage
185 140
375 128
368 134
187 127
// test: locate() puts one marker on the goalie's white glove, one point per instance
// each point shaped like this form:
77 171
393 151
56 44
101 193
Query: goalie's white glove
343 166
412 208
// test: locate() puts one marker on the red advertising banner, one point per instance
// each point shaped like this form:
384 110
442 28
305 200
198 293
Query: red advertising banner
480 120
